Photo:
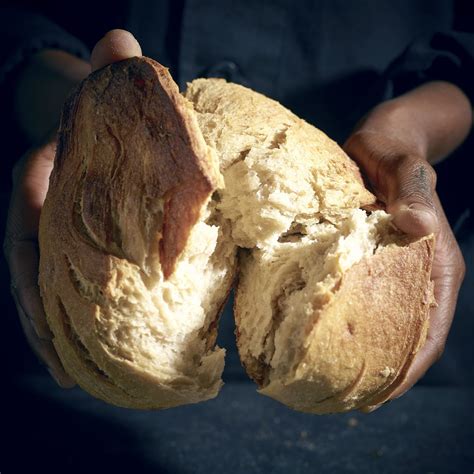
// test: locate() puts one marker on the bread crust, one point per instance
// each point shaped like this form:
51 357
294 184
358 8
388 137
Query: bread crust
363 340
132 174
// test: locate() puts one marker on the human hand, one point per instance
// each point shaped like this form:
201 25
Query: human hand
395 161
30 185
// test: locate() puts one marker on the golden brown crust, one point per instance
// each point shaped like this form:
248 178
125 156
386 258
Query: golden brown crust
168 162
131 176
364 340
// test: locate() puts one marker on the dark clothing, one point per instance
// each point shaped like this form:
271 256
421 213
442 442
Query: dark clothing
329 61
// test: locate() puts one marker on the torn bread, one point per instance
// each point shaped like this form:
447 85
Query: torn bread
332 302
151 196
135 266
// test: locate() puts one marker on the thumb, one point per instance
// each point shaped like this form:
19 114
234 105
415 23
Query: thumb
115 46
404 180
411 195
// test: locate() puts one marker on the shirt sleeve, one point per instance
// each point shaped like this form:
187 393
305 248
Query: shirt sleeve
446 56
23 33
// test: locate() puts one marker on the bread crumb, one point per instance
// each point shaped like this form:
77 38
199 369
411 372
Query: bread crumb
352 422
386 372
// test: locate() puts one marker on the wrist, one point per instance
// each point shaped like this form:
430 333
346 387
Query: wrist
42 86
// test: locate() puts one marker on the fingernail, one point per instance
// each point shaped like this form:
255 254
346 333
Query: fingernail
371 408
399 395
417 209
416 219
414 207
422 213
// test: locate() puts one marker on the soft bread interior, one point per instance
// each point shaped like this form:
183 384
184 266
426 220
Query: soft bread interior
162 325
277 168
283 287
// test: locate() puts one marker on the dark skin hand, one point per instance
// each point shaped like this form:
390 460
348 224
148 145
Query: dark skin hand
41 91
393 145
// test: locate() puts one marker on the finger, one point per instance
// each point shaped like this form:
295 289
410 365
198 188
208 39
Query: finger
447 275
404 181
410 198
116 45
371 408
30 181
24 263
30 185
433 348
43 349
20 244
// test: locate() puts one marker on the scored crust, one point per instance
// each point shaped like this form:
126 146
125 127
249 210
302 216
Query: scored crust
123 218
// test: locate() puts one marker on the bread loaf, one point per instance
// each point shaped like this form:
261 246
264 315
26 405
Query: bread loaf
154 201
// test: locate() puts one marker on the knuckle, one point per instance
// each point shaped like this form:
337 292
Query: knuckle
455 262
24 280
363 144
438 345
415 179
427 171
354 143
419 168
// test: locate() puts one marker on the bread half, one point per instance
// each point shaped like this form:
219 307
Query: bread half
135 266
332 302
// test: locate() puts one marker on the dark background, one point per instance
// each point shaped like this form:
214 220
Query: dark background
429 430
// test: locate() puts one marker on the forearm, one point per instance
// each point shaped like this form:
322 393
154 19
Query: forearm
42 87
432 120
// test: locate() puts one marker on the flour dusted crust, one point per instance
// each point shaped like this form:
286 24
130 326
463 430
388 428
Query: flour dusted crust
154 200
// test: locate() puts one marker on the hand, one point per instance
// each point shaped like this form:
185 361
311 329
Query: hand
394 160
30 185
